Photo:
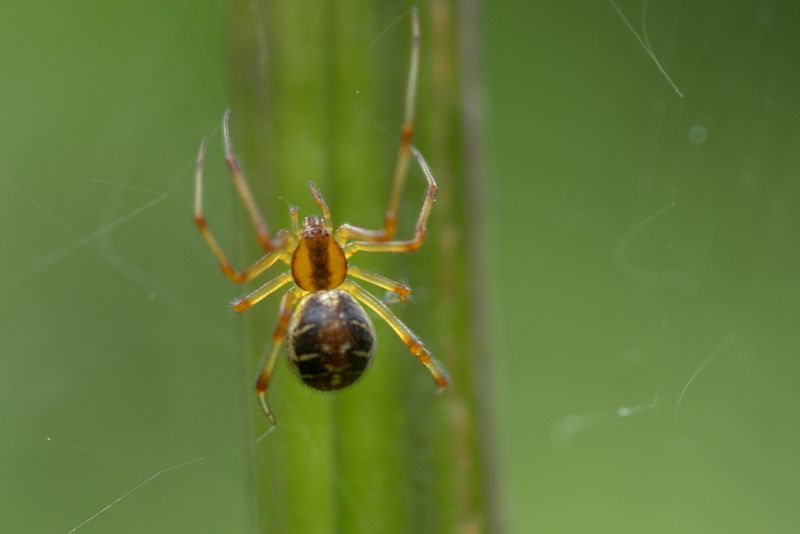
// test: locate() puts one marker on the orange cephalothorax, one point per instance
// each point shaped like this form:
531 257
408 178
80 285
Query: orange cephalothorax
318 262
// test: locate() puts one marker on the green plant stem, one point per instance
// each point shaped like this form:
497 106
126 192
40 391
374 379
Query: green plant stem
386 455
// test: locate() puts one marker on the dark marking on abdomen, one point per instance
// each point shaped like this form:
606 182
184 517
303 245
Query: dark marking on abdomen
330 340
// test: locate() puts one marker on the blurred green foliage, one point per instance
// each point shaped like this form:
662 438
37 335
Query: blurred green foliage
607 298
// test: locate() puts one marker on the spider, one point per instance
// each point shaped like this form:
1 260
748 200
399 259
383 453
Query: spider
329 338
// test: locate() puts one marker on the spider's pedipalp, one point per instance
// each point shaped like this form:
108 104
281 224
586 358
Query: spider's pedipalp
293 215
322 203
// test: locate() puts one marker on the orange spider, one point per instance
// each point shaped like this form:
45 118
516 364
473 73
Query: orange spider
330 340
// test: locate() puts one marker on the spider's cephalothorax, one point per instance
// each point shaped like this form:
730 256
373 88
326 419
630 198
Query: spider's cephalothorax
329 338
318 262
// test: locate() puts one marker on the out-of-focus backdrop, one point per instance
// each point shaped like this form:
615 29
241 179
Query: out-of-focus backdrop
642 207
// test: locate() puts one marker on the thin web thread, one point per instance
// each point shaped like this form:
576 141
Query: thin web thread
160 472
646 45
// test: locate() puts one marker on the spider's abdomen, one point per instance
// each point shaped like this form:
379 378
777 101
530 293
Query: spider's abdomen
330 340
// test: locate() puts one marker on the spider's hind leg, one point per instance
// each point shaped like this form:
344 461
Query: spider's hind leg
408 337
402 291
288 303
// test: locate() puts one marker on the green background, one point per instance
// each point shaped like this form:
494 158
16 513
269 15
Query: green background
643 263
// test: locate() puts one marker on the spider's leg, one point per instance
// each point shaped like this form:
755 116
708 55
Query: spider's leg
406 136
295 221
259 266
262 292
411 340
243 189
265 373
422 221
401 290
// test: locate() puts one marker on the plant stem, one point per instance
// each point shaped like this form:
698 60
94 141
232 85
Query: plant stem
310 82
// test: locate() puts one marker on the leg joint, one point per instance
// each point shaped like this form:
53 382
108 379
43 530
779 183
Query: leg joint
407 134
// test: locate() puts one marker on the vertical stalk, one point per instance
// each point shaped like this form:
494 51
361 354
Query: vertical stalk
373 465
308 87
281 112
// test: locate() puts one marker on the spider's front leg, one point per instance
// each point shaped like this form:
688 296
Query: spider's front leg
243 189
422 221
401 164
264 263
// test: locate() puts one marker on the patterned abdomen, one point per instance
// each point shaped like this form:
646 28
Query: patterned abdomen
330 340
